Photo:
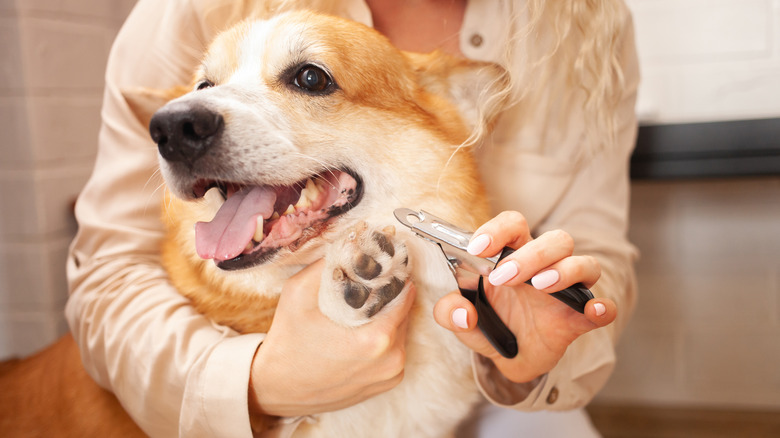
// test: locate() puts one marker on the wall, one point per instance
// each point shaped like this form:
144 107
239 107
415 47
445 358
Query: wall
52 58
708 322
708 60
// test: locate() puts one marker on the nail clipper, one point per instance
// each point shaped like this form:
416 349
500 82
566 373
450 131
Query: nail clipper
469 271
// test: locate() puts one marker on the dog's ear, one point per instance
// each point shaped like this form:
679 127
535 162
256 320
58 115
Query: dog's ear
478 89
144 102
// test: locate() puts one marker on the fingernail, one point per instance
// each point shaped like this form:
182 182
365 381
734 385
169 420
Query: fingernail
478 244
600 309
460 317
503 273
545 279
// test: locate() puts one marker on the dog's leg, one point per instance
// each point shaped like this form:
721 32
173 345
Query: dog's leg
363 273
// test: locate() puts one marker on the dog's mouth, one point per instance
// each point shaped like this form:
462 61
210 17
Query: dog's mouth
254 222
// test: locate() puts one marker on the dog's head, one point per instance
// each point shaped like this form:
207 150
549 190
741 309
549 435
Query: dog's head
299 125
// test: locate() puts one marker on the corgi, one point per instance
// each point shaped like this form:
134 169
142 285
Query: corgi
298 138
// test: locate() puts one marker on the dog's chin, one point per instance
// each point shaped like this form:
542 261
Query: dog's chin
255 224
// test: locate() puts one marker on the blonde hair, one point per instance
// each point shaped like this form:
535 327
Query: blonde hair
571 56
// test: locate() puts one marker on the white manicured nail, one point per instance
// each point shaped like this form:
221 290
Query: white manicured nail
478 244
600 309
460 317
503 273
545 279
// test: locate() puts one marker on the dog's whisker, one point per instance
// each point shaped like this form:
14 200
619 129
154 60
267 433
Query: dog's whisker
153 196
155 174
321 163
152 199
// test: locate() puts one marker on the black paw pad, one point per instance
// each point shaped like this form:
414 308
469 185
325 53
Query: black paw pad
384 243
366 267
356 294
385 294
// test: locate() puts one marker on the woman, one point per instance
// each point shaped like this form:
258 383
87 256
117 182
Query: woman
558 154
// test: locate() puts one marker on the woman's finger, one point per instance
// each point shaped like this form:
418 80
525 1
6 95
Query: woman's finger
527 261
566 272
509 228
457 314
300 290
601 311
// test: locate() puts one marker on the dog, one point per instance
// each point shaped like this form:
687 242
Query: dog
300 136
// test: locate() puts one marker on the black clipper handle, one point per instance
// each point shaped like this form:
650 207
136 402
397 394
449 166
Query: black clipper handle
491 325
574 296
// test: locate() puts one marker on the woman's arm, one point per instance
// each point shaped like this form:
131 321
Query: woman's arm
591 205
140 338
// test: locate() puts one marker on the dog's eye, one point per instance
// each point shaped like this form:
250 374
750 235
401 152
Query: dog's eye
204 84
313 79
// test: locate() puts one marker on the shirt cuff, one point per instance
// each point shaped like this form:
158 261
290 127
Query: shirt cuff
578 376
501 391
216 394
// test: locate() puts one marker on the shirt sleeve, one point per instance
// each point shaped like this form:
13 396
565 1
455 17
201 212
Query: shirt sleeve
593 208
174 371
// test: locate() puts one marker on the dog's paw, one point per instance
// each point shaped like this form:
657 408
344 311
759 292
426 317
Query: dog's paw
363 273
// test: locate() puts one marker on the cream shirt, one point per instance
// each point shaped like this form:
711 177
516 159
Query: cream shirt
175 372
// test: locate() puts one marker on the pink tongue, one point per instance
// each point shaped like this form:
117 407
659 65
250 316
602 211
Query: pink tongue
228 234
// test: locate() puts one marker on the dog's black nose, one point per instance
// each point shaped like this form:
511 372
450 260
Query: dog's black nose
185 131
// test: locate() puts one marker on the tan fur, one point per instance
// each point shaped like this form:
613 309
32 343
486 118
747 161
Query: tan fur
397 117
244 313
49 394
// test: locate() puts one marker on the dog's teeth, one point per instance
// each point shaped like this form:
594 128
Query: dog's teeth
275 216
214 197
303 202
290 210
259 235
312 187
308 194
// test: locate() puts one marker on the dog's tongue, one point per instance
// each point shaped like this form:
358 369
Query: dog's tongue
234 225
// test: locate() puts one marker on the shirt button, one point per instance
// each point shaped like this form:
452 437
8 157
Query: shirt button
552 397
476 40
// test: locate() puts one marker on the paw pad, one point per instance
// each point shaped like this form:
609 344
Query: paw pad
369 271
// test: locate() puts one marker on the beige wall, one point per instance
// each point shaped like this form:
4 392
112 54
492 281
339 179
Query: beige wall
707 328
705 60
52 59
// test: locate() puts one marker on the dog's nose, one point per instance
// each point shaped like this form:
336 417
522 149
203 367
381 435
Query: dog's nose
184 131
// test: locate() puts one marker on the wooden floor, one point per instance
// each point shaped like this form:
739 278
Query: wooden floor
670 422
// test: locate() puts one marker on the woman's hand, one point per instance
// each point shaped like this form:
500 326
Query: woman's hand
308 364
544 326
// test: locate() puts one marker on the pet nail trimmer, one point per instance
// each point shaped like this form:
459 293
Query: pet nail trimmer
469 271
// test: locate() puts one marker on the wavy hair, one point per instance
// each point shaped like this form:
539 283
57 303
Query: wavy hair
571 56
